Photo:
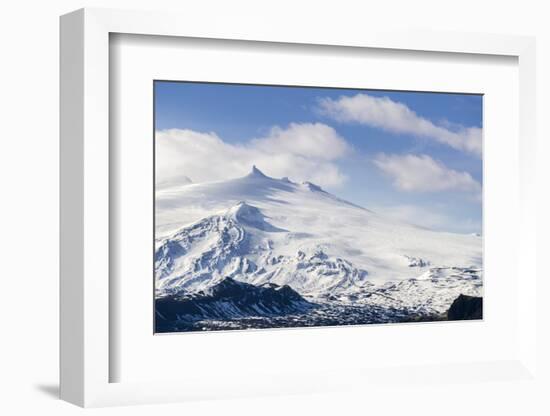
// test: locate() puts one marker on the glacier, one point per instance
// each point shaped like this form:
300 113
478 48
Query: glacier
264 232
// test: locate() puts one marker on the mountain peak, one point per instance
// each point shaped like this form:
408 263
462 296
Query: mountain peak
244 209
312 187
250 215
256 173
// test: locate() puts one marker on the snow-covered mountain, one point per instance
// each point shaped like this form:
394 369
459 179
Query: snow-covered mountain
261 230
257 251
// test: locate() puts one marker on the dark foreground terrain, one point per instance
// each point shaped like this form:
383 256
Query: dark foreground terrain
236 305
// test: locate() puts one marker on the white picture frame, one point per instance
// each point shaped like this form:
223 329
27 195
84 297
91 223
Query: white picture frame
85 204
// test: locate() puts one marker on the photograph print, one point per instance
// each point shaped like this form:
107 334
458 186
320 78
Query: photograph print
288 206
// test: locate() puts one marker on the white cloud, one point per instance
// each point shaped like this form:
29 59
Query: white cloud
301 152
317 141
421 173
396 117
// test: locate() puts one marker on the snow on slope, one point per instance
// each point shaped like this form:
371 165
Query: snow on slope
258 230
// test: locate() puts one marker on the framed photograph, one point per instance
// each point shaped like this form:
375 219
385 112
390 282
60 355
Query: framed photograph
288 206
277 212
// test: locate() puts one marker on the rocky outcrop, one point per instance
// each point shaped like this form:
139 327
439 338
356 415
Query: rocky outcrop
229 300
466 307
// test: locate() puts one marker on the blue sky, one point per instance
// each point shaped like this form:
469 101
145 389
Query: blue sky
416 156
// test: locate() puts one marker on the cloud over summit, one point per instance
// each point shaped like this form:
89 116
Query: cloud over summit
301 151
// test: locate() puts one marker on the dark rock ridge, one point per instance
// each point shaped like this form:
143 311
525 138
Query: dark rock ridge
227 300
465 307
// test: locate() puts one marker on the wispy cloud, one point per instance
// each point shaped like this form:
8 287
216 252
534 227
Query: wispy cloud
304 151
431 218
421 173
396 117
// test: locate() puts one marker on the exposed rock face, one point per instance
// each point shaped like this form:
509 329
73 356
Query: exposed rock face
466 307
227 300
